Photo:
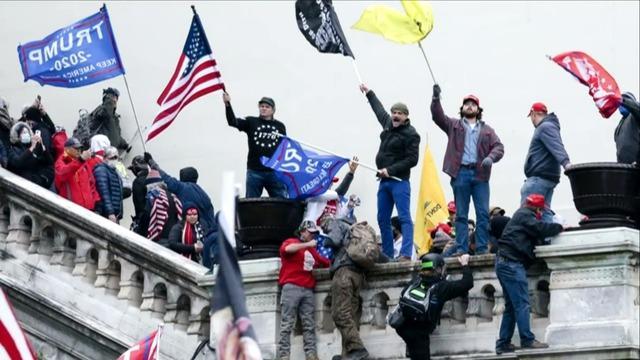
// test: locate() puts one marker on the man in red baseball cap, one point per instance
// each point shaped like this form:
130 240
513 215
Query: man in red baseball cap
515 254
472 149
546 155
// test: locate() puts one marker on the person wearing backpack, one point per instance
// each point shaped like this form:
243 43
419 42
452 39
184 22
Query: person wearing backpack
104 120
355 250
421 302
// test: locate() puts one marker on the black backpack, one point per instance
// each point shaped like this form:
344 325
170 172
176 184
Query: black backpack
416 303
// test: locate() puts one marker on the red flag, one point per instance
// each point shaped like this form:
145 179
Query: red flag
195 75
14 344
146 349
602 87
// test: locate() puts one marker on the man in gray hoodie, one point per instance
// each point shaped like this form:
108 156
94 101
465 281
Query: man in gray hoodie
546 155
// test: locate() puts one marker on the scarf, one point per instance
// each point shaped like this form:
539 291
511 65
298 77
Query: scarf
190 235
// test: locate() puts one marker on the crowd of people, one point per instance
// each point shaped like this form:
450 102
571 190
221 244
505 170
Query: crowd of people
86 168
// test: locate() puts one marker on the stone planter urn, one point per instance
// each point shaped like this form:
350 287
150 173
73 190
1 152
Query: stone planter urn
607 193
264 223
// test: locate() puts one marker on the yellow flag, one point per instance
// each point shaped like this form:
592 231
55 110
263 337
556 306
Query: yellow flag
432 208
408 28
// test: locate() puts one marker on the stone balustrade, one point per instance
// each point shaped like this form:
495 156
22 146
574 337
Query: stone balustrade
115 277
584 303
469 325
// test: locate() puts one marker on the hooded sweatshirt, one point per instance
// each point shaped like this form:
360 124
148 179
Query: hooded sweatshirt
546 151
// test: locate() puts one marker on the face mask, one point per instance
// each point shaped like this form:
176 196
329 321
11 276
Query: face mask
25 138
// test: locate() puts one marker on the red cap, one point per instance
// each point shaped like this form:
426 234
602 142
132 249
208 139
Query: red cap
471 97
535 200
451 206
538 107
441 226
335 179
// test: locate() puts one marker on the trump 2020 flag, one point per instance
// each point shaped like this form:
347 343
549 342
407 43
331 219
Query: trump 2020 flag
602 87
146 349
318 22
80 54
305 172
195 75
14 344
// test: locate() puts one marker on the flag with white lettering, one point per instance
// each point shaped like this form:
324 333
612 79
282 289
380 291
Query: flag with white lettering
146 349
603 88
318 22
195 75
80 54
13 343
305 172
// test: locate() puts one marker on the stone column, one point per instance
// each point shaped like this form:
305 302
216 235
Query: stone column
593 288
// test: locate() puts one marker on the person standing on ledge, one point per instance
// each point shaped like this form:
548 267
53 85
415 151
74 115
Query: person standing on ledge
262 142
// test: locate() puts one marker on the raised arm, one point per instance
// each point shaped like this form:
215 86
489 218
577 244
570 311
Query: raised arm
383 116
437 113
232 120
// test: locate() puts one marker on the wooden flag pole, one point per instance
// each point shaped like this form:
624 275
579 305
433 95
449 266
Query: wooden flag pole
427 61
355 67
366 166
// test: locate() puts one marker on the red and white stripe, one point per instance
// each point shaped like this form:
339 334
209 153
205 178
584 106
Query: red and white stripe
14 345
203 79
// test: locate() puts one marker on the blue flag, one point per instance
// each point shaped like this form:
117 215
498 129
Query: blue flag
305 172
80 54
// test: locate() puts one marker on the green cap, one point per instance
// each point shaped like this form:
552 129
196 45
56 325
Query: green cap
400 107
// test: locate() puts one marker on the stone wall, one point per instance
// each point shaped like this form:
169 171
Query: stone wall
100 276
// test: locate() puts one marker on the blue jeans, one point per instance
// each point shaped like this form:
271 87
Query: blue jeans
258 180
210 250
396 192
515 288
465 187
544 187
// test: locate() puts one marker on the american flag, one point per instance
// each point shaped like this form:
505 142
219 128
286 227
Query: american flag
13 343
195 75
145 349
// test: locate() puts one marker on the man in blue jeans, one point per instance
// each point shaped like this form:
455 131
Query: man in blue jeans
546 154
397 154
262 142
515 254
472 149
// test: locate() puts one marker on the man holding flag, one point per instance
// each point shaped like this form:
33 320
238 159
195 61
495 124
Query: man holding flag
262 142
472 149
397 154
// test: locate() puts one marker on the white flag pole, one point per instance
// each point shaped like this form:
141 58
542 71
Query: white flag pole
366 166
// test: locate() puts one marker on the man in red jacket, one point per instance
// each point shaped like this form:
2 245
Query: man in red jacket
299 257
73 179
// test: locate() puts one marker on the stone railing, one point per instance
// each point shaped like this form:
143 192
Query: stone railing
584 303
469 325
111 278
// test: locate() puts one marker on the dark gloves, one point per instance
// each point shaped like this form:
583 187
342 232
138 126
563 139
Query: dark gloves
436 92
152 163
487 162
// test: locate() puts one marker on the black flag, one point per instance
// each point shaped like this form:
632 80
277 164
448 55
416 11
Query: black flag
318 22
236 338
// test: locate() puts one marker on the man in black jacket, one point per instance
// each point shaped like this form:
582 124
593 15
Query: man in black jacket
515 254
397 154
627 134
262 142
140 170
420 321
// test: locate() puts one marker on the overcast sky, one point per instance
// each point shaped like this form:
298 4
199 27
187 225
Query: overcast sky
495 50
